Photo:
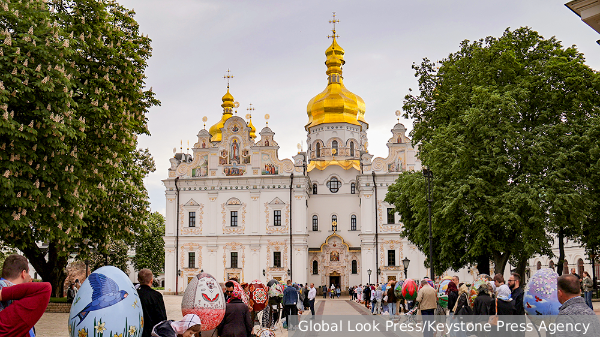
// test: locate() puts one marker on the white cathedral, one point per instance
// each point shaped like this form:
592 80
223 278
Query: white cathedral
235 210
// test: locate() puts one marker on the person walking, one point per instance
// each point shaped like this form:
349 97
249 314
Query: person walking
359 291
367 295
587 286
312 293
152 302
391 299
71 293
325 289
290 298
427 300
379 300
237 321
338 291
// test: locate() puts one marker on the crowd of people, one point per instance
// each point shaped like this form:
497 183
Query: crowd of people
22 302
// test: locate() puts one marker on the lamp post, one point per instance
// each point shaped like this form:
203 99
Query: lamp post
428 174
369 273
405 263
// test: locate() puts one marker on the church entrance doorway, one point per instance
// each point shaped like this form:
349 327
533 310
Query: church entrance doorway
334 278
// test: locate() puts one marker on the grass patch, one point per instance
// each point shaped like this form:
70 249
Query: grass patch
58 300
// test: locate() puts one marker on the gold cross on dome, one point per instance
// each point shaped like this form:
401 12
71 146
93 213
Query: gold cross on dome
334 21
251 108
228 77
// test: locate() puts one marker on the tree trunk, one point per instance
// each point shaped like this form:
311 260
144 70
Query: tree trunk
483 264
521 269
500 261
53 270
561 252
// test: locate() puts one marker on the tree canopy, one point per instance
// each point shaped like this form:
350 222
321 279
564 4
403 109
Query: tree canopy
73 101
150 246
504 124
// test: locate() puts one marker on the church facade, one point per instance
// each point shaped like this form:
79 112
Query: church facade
235 209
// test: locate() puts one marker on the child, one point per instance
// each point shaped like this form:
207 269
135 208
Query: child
189 326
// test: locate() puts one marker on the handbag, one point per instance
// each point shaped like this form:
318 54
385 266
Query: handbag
493 320
385 298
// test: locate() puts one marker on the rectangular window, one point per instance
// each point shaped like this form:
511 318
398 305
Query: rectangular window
277 259
391 257
191 260
353 187
234 260
353 223
390 216
277 218
315 224
192 219
234 219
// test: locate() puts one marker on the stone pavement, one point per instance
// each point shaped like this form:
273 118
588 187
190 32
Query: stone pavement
55 324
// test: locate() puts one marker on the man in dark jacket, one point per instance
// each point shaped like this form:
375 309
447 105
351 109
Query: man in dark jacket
517 295
152 302
290 298
367 295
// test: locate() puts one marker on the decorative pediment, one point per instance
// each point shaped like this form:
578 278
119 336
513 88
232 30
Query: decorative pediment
191 202
277 201
234 201
335 240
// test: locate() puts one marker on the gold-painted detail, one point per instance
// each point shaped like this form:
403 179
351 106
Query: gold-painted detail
345 164
229 247
332 236
194 230
190 247
389 244
335 104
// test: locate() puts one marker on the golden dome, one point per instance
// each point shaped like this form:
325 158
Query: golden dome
335 104
227 105
252 129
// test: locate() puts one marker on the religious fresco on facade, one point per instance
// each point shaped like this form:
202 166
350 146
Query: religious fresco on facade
234 153
334 256
267 165
395 166
245 157
234 170
202 169
223 157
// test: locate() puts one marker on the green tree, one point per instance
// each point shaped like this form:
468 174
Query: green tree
500 124
73 104
115 254
150 246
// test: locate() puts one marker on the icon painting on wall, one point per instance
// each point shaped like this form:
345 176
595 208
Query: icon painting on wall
202 169
268 167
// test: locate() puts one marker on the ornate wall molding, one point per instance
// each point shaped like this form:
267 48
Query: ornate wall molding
234 247
187 248
385 228
270 229
194 230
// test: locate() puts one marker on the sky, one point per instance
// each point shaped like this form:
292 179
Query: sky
276 53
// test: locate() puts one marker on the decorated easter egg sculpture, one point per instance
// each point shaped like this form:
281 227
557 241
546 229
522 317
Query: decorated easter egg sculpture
107 304
204 297
259 295
540 293
398 288
409 290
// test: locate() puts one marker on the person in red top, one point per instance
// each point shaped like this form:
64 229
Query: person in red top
22 302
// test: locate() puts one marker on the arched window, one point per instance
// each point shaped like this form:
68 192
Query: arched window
353 188
354 267
351 149
315 268
539 265
334 222
334 147
565 267
314 188
580 267
551 265
353 222
315 223
334 185
318 150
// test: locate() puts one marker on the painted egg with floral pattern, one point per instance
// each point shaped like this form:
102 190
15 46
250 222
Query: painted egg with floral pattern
259 295
409 290
398 288
540 293
204 297
107 304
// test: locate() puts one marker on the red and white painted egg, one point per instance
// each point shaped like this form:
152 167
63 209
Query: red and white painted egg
259 294
204 297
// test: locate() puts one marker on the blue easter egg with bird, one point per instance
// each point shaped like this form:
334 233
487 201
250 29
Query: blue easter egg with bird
107 304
